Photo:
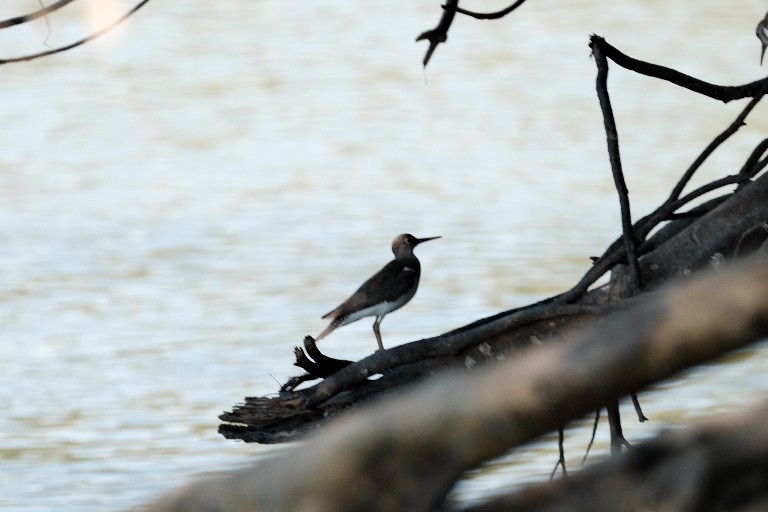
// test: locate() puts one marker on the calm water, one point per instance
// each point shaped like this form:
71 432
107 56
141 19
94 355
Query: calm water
181 201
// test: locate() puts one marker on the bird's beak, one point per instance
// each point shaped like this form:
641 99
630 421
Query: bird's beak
420 240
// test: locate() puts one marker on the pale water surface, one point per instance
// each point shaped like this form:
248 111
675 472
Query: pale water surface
182 200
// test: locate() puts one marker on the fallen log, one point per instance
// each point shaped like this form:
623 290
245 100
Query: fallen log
406 453
718 231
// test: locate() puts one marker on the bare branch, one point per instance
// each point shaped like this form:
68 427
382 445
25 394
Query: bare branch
718 92
722 137
80 42
491 15
439 34
18 20
614 156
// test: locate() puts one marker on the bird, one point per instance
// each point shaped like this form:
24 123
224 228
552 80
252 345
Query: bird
762 34
387 290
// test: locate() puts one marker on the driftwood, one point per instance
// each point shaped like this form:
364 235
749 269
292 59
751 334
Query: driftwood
407 452
735 224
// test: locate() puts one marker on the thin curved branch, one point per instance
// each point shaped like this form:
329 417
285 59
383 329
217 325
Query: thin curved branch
491 15
81 41
18 20
719 92
753 163
615 253
722 137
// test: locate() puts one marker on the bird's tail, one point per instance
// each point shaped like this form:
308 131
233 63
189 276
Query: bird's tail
335 322
332 314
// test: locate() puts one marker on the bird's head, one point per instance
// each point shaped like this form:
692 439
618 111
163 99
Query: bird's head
406 242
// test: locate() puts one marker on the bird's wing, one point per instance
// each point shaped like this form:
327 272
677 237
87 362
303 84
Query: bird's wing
387 285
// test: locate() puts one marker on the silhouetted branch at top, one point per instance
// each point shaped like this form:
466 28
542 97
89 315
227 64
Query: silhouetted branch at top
439 34
77 43
491 15
18 20
719 92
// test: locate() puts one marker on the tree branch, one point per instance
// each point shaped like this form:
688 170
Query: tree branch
614 156
77 43
722 137
439 34
718 92
18 20
491 15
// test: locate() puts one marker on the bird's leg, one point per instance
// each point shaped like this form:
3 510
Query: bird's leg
376 331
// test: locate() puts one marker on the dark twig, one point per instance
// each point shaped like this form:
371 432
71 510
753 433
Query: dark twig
754 164
722 137
617 435
439 34
491 15
81 41
718 92
614 156
315 363
592 439
639 410
615 253
561 459
18 20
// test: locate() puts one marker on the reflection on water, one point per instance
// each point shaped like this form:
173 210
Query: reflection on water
180 204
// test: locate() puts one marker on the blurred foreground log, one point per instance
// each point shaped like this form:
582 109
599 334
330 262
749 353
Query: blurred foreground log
406 453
